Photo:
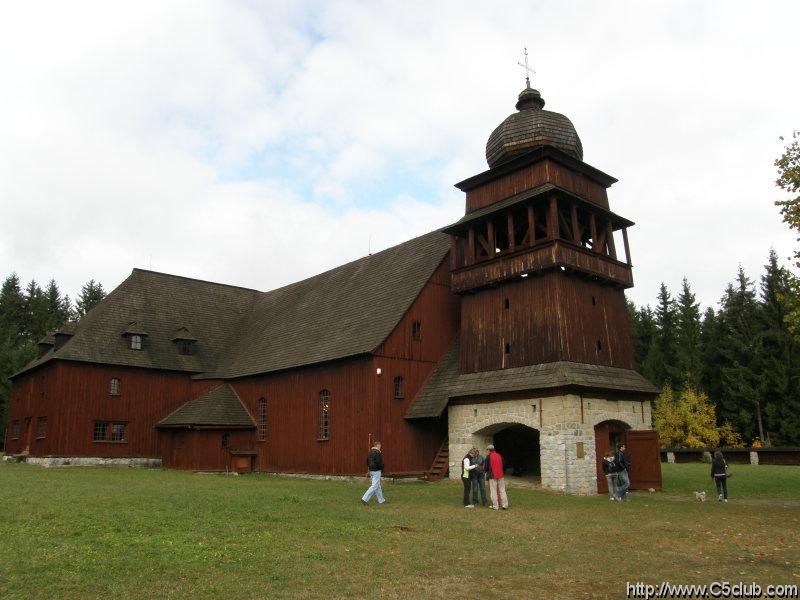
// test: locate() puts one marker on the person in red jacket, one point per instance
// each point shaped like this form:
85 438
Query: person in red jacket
497 484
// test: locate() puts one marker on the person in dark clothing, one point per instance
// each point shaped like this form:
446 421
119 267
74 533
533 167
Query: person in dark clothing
719 473
623 478
479 479
375 468
611 472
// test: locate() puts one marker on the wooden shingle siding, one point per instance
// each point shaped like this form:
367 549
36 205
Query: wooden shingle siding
537 174
550 318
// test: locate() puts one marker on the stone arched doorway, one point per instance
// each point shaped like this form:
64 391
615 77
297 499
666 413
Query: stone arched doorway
519 446
608 435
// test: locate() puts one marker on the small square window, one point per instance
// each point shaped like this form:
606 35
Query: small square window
99 433
118 432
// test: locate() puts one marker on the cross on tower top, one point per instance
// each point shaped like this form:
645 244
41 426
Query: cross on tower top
527 68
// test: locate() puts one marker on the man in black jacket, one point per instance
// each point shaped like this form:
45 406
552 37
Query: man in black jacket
375 467
623 464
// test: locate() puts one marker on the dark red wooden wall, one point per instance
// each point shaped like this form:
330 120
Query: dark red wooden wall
75 395
201 449
363 407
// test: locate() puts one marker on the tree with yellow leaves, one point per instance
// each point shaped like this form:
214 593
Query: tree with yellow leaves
688 420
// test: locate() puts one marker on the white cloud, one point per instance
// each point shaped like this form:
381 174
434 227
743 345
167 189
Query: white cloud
257 144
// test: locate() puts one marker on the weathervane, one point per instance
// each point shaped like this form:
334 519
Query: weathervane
527 68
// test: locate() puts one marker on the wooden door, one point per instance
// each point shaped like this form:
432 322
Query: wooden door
644 451
178 448
607 435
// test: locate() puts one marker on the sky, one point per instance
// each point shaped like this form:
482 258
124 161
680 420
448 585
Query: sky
260 143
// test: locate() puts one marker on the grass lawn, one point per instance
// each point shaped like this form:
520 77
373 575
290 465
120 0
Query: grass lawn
93 532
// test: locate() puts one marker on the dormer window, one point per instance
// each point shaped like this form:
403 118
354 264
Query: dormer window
185 342
135 335
186 347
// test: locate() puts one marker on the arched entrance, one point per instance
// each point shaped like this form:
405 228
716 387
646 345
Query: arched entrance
518 445
608 435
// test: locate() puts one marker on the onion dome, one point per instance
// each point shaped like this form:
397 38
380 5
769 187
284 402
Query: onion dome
530 127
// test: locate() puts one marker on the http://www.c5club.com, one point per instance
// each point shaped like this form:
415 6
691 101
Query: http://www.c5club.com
716 589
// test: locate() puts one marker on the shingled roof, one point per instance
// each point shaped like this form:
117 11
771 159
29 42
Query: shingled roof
446 382
347 311
158 304
220 406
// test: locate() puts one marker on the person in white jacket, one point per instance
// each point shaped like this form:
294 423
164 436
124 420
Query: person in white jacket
467 473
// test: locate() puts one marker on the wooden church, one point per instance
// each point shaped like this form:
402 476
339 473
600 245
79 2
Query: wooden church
508 326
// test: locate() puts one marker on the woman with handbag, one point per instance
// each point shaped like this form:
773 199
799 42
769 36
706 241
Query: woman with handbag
720 474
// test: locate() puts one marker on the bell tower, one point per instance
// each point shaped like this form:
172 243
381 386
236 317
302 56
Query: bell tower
539 259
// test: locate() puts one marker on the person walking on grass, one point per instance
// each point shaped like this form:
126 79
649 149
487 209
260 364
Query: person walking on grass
497 484
719 473
468 466
611 473
623 466
375 468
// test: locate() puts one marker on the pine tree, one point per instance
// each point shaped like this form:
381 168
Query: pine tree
12 311
710 344
688 337
15 347
663 359
59 309
35 312
779 358
741 402
91 295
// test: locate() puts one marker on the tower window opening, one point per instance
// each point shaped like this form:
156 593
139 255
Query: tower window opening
594 302
506 303
399 391
599 346
508 348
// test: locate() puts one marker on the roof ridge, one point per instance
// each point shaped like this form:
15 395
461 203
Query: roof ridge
352 262
173 276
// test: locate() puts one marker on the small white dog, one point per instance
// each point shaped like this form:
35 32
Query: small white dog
700 496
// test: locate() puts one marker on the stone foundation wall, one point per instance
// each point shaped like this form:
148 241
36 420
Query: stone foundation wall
85 461
566 433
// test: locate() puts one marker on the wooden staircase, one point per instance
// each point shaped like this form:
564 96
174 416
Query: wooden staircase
441 464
